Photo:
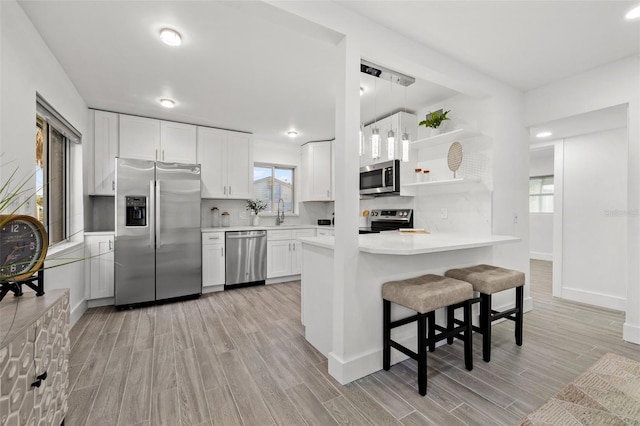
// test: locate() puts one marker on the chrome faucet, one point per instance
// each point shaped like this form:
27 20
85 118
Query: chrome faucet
280 217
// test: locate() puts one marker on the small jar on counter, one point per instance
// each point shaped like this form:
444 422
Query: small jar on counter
418 175
425 175
226 219
215 217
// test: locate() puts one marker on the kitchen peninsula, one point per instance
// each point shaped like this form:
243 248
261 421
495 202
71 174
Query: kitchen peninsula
356 324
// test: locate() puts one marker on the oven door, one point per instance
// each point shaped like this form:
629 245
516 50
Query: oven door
380 178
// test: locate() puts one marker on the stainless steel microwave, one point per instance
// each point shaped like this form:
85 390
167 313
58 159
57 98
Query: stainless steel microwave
380 178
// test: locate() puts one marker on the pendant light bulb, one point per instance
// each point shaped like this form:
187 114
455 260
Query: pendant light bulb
405 147
361 140
375 143
391 145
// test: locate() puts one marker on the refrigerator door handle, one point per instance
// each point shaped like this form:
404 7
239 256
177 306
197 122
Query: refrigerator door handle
157 207
151 211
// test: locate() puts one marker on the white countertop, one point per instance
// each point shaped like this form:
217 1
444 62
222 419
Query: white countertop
264 228
395 243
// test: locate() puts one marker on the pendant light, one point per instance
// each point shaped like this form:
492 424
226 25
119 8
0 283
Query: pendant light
405 135
391 136
361 140
375 132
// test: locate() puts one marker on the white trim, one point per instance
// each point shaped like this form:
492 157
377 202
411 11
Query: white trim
541 256
278 280
212 288
77 311
594 298
631 333
558 206
104 301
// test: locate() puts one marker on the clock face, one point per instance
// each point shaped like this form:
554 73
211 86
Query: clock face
21 246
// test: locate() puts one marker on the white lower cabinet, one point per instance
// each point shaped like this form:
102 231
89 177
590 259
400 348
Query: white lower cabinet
326 232
101 258
284 251
213 261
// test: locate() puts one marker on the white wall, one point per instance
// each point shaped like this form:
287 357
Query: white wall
594 226
541 224
614 84
27 66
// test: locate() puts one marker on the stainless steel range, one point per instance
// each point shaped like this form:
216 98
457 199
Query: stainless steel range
389 220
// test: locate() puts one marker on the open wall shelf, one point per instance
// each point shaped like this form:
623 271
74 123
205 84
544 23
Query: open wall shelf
448 186
444 138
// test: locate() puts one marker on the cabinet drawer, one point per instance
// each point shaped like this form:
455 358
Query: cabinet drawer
209 238
298 233
284 234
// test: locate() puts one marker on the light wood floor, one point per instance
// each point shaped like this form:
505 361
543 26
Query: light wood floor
239 357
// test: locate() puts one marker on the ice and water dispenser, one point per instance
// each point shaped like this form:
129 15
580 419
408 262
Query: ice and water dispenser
136 210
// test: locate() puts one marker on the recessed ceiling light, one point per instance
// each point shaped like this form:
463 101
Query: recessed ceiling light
292 133
543 134
361 90
167 103
170 37
633 13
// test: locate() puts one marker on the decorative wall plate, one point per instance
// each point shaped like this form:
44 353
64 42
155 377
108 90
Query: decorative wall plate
454 157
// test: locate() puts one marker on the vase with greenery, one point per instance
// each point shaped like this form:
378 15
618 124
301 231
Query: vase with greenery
255 207
434 120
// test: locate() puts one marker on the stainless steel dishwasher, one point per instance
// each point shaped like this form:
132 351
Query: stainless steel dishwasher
246 258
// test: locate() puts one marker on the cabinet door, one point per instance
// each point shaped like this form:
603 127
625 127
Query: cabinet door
177 142
278 258
213 265
296 258
239 166
101 252
139 137
212 147
105 139
316 163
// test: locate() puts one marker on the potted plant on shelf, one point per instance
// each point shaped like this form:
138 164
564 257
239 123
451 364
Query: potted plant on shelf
255 207
434 120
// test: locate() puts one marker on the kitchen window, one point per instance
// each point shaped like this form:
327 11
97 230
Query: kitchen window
53 140
541 194
273 182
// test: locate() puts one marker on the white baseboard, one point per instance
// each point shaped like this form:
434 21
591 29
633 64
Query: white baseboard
282 279
631 333
77 311
541 256
593 298
105 301
212 288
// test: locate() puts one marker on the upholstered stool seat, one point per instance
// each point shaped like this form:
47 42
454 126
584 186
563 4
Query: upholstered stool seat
488 280
424 295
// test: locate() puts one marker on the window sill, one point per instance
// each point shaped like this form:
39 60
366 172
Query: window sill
275 214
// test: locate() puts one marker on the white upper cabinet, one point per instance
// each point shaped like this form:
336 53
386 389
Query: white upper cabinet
316 168
105 139
149 139
139 137
177 142
226 163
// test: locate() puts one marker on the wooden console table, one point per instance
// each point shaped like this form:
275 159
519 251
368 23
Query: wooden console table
34 358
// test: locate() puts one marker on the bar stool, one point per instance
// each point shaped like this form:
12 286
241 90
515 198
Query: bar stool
487 280
426 294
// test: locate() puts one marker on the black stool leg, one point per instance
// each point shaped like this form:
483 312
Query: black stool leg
468 337
519 314
422 354
485 325
431 330
386 334
450 322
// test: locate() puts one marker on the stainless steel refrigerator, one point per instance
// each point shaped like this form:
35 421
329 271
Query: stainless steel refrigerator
157 231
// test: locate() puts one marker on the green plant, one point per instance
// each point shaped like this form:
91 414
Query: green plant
256 206
434 119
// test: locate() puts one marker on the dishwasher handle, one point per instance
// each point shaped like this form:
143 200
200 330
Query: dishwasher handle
242 235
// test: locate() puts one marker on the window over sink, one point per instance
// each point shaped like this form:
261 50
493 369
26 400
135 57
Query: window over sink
272 182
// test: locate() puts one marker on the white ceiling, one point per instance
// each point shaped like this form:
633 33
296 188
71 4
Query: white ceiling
526 44
248 66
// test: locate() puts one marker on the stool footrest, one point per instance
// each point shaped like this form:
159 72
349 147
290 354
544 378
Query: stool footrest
403 321
408 352
496 315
